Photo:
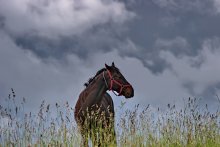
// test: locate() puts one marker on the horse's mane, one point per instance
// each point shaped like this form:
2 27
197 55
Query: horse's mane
92 78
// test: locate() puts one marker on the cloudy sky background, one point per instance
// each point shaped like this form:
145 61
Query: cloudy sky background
167 49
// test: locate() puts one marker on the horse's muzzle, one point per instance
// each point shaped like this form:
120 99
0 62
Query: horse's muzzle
129 92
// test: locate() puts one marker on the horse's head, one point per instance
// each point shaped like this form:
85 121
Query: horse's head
117 82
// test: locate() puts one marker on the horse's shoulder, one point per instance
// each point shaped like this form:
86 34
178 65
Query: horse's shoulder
81 99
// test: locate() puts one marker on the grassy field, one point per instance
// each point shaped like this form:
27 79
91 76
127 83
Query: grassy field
191 126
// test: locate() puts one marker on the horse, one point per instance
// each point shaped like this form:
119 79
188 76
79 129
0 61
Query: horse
94 109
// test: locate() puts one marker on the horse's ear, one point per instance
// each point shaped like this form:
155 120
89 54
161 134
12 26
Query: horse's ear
107 67
113 64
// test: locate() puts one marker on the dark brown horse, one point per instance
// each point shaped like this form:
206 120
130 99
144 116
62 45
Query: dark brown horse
94 110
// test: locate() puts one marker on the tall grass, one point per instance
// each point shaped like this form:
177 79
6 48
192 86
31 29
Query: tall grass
190 126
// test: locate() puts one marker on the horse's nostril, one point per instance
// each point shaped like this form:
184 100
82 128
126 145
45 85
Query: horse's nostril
128 93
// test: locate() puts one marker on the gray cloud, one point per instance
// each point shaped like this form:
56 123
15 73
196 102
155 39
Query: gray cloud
168 49
56 28
183 6
178 46
200 80
60 18
184 24
155 22
101 39
217 6
34 79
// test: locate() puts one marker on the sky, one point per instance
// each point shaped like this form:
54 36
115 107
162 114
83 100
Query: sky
168 50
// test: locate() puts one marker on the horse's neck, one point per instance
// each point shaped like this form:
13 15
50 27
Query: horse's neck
95 92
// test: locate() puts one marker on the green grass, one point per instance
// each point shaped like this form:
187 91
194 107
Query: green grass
191 126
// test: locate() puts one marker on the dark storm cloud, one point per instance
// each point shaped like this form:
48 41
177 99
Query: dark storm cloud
172 41
184 24
99 39
189 24
183 6
2 19
179 26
